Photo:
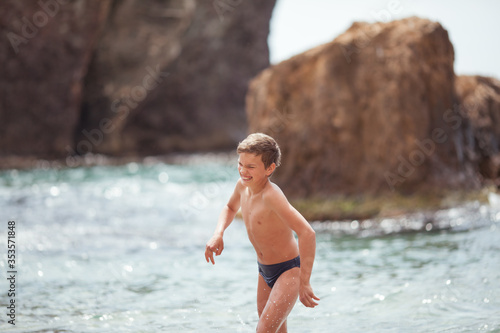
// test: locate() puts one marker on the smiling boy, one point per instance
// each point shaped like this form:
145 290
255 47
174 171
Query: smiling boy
284 266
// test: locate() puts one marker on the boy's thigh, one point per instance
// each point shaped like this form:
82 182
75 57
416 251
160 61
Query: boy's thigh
263 292
283 295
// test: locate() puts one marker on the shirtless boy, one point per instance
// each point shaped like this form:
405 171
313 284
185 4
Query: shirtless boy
284 266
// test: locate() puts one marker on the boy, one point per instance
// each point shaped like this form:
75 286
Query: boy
269 219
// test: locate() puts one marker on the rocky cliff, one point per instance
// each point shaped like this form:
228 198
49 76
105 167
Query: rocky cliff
127 77
45 51
172 76
372 111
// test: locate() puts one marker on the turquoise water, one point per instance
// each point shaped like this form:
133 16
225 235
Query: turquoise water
121 249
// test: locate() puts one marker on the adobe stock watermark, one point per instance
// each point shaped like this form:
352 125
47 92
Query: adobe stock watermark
384 15
120 107
29 28
425 148
281 118
223 7
200 199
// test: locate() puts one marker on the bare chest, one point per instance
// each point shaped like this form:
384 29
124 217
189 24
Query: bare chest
256 215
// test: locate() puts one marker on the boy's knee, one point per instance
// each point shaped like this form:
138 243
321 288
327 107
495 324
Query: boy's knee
267 324
263 328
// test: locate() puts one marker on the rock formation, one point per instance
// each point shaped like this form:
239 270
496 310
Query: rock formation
172 76
477 114
46 47
369 112
127 77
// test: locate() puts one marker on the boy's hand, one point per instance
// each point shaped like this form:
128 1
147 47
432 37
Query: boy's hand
214 245
306 295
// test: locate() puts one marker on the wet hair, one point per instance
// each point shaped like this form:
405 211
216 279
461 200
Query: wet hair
261 145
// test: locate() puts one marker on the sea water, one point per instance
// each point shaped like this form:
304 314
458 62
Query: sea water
121 249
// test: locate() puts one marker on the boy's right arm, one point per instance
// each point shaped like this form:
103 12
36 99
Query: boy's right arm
216 243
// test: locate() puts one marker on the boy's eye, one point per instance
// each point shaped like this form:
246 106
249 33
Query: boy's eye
247 167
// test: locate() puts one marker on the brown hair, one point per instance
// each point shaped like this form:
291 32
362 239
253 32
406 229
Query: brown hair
263 145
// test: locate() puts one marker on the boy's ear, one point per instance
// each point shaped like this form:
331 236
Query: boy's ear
271 169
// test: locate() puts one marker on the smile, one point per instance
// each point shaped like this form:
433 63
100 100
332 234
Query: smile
245 179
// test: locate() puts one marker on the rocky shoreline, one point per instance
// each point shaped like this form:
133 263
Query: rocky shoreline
379 110
374 123
467 216
392 205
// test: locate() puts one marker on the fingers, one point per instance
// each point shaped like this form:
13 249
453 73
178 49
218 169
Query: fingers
308 299
313 303
209 256
216 248
309 303
214 245
209 253
218 251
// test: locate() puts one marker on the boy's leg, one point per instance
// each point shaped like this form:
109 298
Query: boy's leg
263 291
280 301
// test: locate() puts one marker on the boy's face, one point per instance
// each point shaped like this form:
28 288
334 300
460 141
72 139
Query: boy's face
252 169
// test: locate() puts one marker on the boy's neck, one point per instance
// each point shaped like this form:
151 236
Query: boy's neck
257 188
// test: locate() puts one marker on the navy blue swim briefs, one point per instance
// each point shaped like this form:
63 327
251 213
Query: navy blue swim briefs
271 273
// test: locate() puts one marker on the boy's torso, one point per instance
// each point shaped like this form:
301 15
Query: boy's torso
272 239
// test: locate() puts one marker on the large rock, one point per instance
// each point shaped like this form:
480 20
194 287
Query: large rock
477 114
370 112
45 50
127 77
172 76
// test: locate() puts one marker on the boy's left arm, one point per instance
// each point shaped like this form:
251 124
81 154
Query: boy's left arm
307 245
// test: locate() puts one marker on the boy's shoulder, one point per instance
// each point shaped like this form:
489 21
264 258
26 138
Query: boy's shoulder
239 185
272 192
275 187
